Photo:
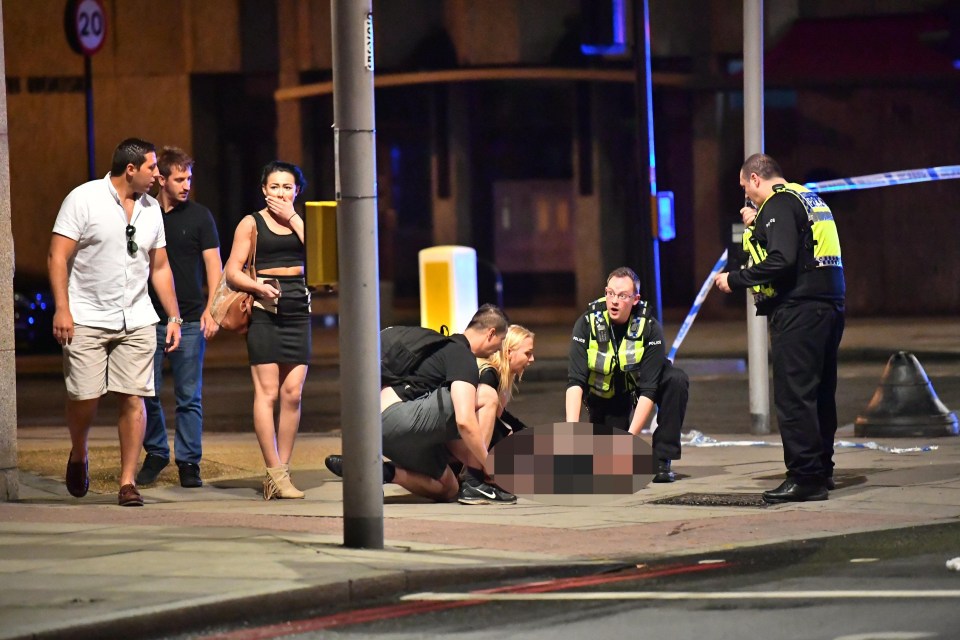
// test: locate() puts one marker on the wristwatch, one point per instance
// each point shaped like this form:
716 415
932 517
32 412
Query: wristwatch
175 320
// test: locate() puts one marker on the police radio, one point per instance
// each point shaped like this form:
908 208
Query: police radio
603 331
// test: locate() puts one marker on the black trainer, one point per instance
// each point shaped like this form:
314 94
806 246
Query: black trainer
189 475
335 464
152 466
472 491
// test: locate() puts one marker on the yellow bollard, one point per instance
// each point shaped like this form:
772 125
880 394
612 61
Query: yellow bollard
448 287
321 244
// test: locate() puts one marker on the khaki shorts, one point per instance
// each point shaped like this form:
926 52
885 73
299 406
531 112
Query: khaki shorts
100 360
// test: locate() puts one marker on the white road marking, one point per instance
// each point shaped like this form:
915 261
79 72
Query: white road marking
689 595
889 635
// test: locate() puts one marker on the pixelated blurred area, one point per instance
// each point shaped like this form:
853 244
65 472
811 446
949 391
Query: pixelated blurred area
571 463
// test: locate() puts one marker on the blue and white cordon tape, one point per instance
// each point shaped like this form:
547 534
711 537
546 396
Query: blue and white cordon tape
697 303
871 181
694 438
886 179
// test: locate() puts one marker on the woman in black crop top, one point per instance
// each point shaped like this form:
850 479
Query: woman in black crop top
278 341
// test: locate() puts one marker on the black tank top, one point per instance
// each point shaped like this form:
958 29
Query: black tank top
277 250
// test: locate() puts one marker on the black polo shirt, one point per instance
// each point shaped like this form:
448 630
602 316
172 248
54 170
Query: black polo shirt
190 231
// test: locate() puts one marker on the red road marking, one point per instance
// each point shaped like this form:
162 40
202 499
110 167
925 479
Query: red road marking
392 611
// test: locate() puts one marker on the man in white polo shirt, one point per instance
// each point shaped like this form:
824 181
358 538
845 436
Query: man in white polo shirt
108 239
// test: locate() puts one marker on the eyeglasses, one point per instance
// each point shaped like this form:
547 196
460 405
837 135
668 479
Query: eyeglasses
131 245
622 297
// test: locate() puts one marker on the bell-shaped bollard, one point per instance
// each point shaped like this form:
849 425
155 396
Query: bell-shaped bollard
905 404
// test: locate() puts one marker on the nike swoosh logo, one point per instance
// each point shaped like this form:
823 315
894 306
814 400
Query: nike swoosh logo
492 495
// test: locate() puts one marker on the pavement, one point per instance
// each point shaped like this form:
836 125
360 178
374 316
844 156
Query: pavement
86 568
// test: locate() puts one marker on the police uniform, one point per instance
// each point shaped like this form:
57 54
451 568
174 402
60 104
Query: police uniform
616 363
796 275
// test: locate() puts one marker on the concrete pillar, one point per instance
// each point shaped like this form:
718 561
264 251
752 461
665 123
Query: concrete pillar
291 15
451 168
588 270
9 482
604 212
707 161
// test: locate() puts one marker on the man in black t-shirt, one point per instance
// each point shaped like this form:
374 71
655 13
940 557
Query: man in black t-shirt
193 248
618 367
434 416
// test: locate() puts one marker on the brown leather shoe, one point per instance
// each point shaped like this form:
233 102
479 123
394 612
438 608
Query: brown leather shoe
78 478
129 496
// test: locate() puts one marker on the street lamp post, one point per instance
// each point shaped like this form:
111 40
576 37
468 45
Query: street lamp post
356 189
757 368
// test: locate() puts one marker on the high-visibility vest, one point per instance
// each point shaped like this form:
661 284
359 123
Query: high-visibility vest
602 358
820 238
757 255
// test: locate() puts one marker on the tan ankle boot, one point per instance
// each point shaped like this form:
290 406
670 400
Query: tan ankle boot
277 484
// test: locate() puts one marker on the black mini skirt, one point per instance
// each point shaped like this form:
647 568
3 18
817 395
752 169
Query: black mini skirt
283 337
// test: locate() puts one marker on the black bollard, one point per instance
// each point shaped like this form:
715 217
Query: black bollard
905 404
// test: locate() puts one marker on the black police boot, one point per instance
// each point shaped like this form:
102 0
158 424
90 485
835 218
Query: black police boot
791 491
664 474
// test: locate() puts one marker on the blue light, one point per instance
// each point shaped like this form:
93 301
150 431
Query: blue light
30 320
666 220
619 22
618 33
39 297
603 50
43 306
396 169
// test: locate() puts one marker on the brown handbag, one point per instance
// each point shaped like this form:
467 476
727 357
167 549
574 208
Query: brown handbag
231 309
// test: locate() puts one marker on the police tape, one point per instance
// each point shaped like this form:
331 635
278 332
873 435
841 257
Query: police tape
886 179
843 184
879 447
697 303
694 438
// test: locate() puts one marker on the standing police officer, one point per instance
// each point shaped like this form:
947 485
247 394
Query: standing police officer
796 276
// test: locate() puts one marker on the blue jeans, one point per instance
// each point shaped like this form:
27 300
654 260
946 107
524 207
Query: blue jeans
186 364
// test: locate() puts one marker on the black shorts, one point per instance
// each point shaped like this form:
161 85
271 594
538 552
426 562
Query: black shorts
416 432
283 337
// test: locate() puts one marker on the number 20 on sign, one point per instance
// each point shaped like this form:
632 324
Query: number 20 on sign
85 23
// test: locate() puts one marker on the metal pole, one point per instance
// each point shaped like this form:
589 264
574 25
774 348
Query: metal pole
88 88
356 188
646 161
9 475
757 367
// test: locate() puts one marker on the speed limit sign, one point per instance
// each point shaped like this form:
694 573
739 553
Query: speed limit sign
85 22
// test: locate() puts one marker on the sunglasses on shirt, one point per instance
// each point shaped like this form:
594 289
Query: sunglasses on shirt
131 245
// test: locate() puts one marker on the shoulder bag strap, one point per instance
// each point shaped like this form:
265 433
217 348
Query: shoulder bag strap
252 257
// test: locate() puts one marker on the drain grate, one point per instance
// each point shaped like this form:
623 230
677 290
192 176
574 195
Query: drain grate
714 500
